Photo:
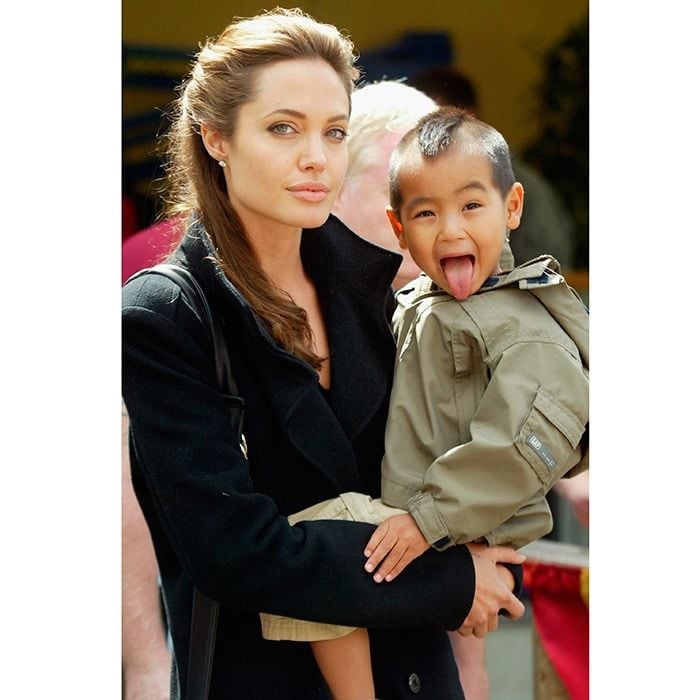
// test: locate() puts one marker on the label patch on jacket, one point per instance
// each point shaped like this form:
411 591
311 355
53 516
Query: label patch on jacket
542 450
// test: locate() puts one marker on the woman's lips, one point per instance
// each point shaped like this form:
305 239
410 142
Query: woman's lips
309 191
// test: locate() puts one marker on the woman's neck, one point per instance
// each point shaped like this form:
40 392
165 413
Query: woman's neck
279 254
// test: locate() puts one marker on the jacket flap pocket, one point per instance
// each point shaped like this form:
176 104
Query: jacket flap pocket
563 418
549 438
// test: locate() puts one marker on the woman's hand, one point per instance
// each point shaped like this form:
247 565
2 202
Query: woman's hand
494 589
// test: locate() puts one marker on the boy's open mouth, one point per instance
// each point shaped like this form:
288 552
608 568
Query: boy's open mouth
459 271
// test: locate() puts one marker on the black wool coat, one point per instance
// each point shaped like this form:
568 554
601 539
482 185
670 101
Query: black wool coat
218 519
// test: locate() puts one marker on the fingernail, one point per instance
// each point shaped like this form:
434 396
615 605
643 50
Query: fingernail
377 578
367 553
389 577
368 567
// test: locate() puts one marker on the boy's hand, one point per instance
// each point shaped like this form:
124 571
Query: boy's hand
397 541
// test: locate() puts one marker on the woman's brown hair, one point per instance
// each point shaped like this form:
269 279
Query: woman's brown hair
223 78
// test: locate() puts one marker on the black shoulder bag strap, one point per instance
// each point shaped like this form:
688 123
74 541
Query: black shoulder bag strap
205 611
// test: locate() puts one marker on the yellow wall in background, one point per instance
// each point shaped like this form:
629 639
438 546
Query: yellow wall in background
498 43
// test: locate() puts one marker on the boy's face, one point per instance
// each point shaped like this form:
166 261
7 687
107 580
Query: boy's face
453 219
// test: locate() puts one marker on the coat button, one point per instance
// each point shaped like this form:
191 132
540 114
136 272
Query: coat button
414 683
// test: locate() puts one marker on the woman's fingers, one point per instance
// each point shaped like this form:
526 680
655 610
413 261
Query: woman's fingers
514 609
491 593
497 553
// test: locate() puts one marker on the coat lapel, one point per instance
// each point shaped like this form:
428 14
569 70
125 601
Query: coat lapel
353 279
321 435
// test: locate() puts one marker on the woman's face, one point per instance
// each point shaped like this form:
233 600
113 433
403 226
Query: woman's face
287 156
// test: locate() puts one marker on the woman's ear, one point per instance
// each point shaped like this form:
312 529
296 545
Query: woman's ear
397 226
214 142
514 206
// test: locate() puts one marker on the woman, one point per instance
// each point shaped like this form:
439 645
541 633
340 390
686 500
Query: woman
257 156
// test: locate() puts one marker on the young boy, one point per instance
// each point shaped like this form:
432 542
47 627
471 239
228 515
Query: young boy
489 406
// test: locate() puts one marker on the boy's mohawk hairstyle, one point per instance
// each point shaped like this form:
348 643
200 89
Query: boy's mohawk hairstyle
435 129
434 134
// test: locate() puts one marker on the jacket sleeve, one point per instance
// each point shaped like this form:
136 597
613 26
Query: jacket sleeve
230 539
525 435
530 522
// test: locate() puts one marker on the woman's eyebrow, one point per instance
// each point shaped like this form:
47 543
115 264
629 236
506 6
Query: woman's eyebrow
301 115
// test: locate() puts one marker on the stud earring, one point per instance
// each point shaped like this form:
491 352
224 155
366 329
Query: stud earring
222 163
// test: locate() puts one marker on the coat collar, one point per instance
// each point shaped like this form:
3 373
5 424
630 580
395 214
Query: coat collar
330 252
353 280
540 271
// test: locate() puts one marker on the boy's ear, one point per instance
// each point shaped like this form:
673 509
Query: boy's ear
397 226
514 206
214 142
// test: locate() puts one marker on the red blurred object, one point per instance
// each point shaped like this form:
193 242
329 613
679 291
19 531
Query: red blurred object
561 619
148 247
129 218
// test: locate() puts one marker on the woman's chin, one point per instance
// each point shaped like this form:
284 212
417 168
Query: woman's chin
314 219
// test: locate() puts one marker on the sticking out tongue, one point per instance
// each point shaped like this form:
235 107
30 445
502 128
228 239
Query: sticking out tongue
459 272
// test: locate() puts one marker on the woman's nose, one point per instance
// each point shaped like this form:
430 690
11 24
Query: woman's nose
313 155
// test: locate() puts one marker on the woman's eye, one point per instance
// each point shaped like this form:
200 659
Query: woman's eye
281 129
337 133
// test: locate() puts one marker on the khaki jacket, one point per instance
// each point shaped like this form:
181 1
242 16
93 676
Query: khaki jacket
489 405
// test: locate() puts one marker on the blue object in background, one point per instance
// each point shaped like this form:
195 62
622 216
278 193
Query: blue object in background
414 53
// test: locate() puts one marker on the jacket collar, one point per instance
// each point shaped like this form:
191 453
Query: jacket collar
334 251
538 272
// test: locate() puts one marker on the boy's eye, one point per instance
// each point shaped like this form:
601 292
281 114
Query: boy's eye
281 128
424 213
337 133
472 205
